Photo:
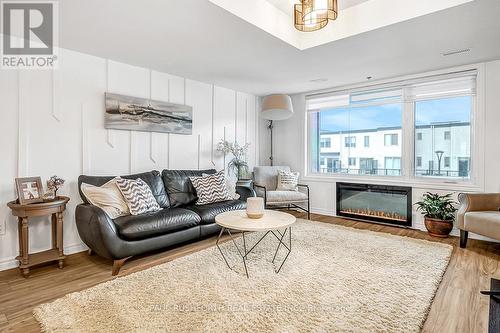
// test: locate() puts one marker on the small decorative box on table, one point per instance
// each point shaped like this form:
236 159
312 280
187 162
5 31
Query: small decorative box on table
55 208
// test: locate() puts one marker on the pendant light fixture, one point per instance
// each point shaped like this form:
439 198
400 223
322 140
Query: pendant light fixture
312 15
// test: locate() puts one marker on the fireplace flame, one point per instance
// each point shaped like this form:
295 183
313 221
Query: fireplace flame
375 213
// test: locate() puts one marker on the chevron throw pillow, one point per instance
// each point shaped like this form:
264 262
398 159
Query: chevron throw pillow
211 188
138 195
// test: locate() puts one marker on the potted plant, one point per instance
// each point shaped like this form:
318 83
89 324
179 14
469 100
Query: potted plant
238 166
439 213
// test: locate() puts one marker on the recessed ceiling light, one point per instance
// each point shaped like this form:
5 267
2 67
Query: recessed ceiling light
449 53
323 79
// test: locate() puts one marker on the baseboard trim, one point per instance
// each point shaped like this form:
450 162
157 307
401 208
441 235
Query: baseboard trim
417 226
70 249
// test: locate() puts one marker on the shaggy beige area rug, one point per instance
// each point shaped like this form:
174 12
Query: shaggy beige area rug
336 279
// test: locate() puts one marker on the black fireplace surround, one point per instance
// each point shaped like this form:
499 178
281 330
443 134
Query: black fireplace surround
375 203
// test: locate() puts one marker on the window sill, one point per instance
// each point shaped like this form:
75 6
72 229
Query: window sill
431 184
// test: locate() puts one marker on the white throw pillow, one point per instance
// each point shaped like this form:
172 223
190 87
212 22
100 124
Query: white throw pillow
107 197
138 195
211 188
287 181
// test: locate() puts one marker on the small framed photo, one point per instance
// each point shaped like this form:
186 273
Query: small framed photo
29 190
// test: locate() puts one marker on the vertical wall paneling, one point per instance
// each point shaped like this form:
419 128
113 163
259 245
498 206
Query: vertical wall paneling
86 155
240 124
251 136
131 81
246 120
178 147
199 97
110 138
49 112
212 127
160 83
199 151
236 129
152 141
9 126
22 124
224 136
192 151
56 87
224 121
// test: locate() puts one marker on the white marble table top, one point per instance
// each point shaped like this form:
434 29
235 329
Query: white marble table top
238 220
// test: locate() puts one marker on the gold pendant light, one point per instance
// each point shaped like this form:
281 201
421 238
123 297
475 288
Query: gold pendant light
312 15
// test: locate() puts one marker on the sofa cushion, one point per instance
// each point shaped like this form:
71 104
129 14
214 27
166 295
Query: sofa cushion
285 197
107 197
178 186
152 178
165 221
208 212
486 223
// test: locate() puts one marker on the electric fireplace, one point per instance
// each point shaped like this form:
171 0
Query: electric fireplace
375 203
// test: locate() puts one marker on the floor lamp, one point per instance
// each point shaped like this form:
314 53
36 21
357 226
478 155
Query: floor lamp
276 107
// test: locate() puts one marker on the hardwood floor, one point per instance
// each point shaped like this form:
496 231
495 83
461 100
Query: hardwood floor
457 307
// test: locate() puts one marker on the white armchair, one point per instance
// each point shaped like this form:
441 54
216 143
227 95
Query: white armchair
265 184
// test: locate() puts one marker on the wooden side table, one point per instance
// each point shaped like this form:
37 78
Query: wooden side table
55 208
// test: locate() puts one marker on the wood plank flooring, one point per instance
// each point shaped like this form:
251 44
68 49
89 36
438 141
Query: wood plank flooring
457 307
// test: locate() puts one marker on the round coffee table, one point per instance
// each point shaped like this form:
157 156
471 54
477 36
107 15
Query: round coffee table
270 223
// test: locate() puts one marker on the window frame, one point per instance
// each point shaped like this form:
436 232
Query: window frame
408 135
391 136
350 141
325 141
446 161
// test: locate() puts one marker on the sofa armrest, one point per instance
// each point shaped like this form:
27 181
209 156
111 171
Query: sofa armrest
473 202
245 192
96 229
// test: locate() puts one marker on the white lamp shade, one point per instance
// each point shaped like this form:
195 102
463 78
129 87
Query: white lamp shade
277 107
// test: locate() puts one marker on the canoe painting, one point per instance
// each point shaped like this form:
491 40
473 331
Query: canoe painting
140 114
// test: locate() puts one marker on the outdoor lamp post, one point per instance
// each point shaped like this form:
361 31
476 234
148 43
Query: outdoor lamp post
439 154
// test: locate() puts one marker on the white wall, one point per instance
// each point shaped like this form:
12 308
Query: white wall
289 148
52 123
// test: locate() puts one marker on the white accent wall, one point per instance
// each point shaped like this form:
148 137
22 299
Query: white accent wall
52 123
289 149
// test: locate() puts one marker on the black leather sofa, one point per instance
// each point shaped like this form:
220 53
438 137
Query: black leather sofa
179 221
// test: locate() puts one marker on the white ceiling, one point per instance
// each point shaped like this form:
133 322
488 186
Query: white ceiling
286 6
199 40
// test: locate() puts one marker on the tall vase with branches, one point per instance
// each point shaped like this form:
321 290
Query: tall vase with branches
238 165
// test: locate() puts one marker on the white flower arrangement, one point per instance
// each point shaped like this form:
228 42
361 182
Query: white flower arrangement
237 165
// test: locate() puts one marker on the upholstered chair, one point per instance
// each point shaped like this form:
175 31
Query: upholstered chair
265 184
478 213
